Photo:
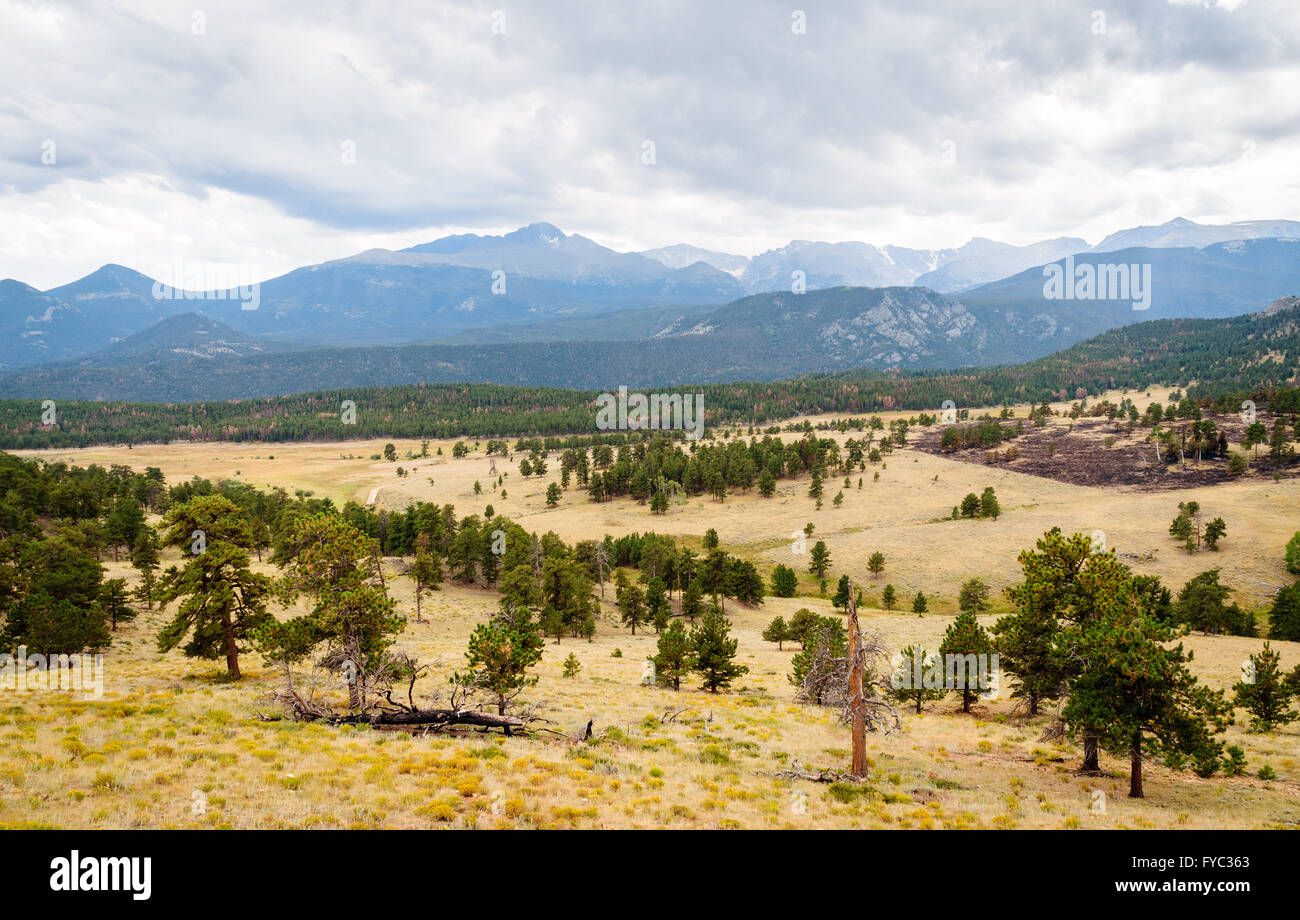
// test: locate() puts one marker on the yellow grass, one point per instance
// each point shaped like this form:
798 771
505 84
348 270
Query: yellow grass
170 744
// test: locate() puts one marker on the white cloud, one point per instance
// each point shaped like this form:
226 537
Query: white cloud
229 145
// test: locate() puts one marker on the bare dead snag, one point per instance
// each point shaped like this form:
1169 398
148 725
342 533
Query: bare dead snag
827 684
857 708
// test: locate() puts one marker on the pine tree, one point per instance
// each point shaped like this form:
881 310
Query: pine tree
50 597
714 652
630 601
673 658
785 582
973 596
656 602
572 666
145 559
552 495
967 644
692 600
776 632
427 572
1284 615
521 594
1292 556
801 626
1186 526
989 506
919 603
841 598
1200 605
1066 582
566 594
1137 697
908 682
338 568
876 564
224 601
820 559
499 657
1279 449
466 551
1025 642
1263 691
888 597
1215 531
124 523
112 599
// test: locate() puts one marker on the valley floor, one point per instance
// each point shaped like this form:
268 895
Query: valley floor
171 744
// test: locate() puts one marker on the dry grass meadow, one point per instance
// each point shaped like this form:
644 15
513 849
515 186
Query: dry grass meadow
170 744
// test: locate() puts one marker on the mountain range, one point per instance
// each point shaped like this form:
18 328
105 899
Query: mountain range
538 306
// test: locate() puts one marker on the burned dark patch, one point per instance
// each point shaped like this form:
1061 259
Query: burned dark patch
1079 455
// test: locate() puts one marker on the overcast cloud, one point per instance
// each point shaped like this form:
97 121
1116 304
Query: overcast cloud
222 135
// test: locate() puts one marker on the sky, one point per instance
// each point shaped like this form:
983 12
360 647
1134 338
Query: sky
271 136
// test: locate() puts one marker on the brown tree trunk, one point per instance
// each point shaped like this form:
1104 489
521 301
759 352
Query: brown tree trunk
1090 762
1135 773
232 649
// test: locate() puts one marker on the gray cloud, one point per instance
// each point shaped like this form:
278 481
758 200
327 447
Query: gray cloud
761 134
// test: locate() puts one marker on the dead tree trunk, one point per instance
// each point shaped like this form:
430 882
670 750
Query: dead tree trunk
308 711
429 717
857 705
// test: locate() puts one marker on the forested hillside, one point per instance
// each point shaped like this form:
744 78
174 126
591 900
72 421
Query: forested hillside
1256 354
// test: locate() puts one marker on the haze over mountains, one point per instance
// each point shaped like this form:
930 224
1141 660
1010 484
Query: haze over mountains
467 307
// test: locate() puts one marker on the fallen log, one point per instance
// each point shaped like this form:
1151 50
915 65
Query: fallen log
309 710
427 717
821 776
397 714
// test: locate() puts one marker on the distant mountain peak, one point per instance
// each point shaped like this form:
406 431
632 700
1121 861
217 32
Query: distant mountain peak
1188 234
539 231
